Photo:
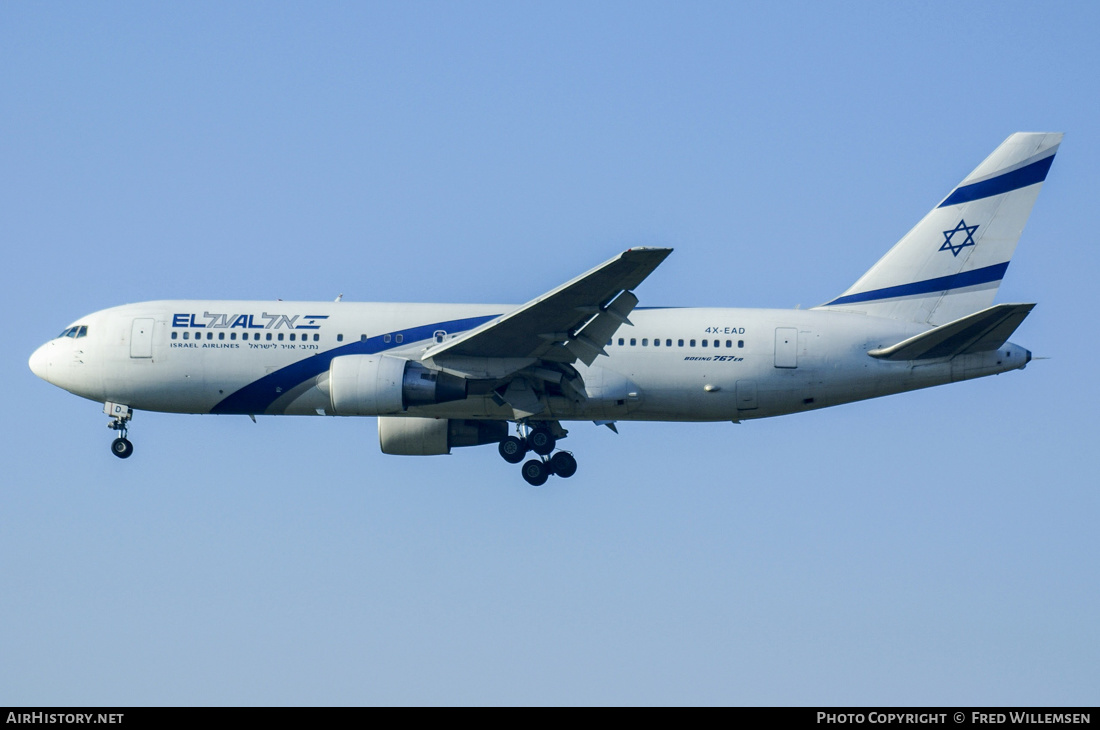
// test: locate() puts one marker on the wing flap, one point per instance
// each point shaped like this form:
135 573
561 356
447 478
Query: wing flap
979 332
588 341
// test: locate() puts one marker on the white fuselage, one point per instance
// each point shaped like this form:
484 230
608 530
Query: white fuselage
672 365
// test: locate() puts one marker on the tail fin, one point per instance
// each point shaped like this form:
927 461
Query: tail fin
952 262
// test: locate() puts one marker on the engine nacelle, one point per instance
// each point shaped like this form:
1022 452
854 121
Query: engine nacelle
373 385
411 436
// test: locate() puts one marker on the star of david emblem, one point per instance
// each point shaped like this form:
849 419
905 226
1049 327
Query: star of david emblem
953 245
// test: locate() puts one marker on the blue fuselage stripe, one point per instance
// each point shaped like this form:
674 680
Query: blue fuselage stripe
1036 172
257 396
928 286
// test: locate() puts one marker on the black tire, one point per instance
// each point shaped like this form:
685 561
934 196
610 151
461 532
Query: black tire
512 449
122 448
563 464
541 441
535 473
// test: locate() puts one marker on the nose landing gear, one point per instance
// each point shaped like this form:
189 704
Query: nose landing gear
121 446
542 440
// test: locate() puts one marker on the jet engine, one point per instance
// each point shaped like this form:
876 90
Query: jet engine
409 436
372 385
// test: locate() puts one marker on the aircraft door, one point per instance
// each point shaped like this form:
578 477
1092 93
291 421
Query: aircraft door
141 338
746 395
786 347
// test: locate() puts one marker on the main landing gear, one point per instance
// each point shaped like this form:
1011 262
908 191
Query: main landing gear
542 441
121 446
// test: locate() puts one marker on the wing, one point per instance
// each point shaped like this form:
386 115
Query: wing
527 354
569 323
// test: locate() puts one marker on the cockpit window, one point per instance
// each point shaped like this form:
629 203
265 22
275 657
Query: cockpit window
77 331
83 331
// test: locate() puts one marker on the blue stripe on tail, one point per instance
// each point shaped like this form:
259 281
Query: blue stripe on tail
928 286
1036 172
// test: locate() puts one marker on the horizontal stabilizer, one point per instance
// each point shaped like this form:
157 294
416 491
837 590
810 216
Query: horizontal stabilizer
979 332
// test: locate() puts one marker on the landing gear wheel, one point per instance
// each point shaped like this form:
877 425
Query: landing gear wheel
541 441
535 473
563 464
512 449
122 448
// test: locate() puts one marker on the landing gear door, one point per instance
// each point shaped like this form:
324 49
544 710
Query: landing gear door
141 338
611 394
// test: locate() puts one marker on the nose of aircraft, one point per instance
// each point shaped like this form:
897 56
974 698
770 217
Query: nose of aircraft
39 363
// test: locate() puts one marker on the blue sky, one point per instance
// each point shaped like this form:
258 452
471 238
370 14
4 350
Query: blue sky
931 548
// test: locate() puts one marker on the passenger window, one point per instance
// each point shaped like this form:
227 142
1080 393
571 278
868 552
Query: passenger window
656 342
729 343
679 343
668 343
692 343
221 335
704 343
645 342
280 337
232 335
385 338
292 337
185 334
740 343
316 338
621 342
174 335
399 339
633 341
339 338
268 338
